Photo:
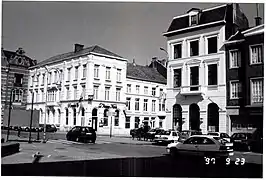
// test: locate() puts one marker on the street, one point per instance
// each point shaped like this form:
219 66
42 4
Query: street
119 157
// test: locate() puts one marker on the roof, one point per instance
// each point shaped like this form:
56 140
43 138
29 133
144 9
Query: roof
206 16
12 54
93 49
144 73
254 30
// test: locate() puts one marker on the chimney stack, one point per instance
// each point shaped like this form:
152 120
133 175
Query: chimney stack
258 21
78 47
134 64
153 61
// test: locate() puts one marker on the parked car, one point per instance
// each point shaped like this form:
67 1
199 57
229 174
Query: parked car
256 142
221 135
81 134
241 140
153 132
184 135
166 137
202 145
49 127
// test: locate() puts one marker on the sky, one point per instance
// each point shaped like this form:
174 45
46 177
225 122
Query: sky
131 30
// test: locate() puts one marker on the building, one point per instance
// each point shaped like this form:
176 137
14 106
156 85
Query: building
146 95
14 78
196 71
82 87
244 77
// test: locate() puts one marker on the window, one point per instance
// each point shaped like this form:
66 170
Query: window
43 96
212 74
212 45
194 78
127 124
177 51
235 59
74 116
177 78
96 71
32 80
17 95
235 90
145 105
193 20
76 72
153 92
67 93
257 90
118 75
160 104
128 102
51 95
194 48
107 73
163 105
68 74
95 92
43 79
160 124
105 117
137 104
161 92
118 92
152 122
137 89
83 93
116 117
107 93
75 92
137 120
61 75
256 53
66 116
18 80
55 77
38 96
145 90
84 72
38 80
153 106
129 88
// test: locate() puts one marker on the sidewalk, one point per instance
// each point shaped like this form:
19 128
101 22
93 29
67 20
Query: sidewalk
122 140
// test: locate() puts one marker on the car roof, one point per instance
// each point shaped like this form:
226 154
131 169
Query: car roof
203 135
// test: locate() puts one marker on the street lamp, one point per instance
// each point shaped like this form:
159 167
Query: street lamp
167 58
45 106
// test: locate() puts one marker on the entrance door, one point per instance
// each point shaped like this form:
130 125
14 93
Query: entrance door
94 119
213 117
177 117
194 117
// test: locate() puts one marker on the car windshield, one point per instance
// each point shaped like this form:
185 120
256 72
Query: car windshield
213 134
166 133
220 140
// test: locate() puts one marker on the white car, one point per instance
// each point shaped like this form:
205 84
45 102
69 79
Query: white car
221 135
202 145
166 137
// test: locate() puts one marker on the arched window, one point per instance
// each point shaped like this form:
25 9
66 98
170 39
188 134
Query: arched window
48 114
117 117
40 119
95 119
82 117
74 116
105 117
66 116
53 112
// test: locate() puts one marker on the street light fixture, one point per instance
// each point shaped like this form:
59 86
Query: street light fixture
167 58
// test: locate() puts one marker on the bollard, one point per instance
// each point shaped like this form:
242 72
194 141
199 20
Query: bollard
38 134
19 132
37 157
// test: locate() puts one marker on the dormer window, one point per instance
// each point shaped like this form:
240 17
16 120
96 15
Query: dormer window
193 20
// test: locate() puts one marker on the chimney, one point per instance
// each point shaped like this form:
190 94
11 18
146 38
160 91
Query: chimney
134 64
153 61
258 21
78 47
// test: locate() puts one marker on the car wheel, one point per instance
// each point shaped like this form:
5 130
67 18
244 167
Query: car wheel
93 141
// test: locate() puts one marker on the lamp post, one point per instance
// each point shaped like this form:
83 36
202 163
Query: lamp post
31 113
7 78
9 114
45 105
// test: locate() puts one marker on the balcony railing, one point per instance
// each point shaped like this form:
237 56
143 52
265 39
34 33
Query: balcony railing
191 90
257 99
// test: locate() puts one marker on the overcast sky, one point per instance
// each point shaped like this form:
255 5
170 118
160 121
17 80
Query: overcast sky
132 30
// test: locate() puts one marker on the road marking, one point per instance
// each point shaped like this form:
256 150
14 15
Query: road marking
73 142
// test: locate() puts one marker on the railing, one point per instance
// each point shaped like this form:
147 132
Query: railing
194 89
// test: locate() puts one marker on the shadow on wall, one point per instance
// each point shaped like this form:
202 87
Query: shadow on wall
187 100
162 166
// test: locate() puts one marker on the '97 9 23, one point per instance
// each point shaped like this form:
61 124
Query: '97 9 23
228 161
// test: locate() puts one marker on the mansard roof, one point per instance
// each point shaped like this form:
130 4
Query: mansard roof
144 73
93 49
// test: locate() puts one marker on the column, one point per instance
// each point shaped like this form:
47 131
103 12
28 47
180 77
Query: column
201 46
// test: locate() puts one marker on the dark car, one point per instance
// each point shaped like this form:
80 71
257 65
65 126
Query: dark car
81 134
184 135
152 132
241 140
49 128
256 142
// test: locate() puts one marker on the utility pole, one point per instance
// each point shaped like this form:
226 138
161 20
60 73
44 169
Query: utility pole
31 115
9 114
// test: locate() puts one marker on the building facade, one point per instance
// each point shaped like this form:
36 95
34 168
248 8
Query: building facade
145 96
14 78
196 72
244 66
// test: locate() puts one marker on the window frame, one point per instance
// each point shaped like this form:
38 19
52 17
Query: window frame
250 53
209 37
128 88
107 73
84 70
95 89
251 94
137 102
118 94
96 70
105 94
127 122
235 81
230 59
128 101
174 45
118 75
189 49
217 78
174 84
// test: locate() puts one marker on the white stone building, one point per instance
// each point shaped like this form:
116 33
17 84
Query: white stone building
196 72
87 87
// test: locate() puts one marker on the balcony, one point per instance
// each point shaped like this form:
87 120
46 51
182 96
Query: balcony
191 90
161 113
52 103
